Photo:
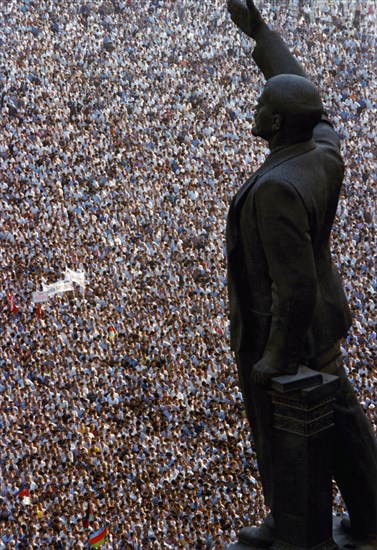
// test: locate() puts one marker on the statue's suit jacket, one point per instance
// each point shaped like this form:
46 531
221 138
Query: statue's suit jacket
285 292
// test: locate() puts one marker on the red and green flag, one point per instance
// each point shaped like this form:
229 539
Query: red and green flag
98 538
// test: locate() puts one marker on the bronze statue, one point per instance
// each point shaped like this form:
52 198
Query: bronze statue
287 304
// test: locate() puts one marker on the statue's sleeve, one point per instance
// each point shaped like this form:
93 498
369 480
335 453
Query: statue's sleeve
273 56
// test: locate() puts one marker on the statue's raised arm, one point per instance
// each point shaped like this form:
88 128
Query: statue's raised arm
271 54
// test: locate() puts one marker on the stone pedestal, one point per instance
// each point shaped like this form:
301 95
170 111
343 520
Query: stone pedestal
303 421
302 447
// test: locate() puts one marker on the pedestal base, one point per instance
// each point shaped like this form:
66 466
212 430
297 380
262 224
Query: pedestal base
302 471
341 539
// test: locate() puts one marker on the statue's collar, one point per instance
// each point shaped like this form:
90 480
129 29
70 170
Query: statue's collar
276 157
285 152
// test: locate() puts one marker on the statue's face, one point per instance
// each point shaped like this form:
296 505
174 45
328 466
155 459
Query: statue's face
263 119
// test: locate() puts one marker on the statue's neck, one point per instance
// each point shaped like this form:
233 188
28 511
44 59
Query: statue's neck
282 139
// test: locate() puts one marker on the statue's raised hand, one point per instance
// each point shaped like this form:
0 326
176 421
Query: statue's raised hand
246 16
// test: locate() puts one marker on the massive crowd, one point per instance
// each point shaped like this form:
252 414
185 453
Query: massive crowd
125 131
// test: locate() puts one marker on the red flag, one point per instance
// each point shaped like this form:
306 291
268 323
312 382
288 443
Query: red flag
39 310
89 517
12 304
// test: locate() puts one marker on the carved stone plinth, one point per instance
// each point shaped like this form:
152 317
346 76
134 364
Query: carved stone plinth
302 454
303 421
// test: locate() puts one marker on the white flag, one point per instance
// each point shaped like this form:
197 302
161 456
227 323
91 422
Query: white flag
75 276
26 501
59 286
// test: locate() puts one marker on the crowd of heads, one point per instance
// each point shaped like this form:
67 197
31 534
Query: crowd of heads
125 131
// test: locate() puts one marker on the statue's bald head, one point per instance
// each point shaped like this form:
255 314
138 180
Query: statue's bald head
296 99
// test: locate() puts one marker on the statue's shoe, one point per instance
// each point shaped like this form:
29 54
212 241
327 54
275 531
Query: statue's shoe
368 540
262 536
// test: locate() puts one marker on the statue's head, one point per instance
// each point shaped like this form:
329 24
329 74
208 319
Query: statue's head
289 105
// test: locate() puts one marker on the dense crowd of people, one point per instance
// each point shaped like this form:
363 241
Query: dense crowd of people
125 131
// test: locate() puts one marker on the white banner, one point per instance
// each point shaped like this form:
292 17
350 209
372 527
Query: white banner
75 276
59 286
38 297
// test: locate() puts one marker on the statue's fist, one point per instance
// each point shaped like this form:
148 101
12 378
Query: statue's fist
246 16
